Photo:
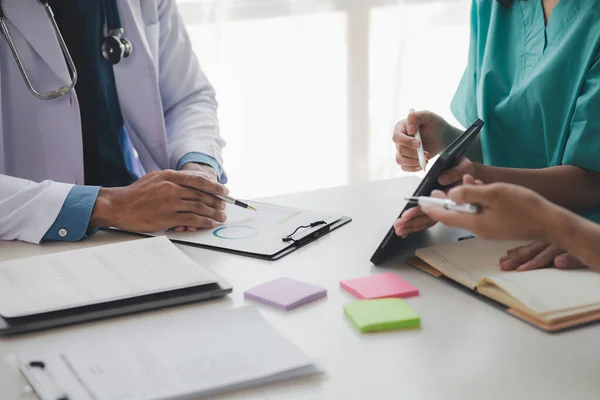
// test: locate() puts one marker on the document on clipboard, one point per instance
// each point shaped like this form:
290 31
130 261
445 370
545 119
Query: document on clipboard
269 233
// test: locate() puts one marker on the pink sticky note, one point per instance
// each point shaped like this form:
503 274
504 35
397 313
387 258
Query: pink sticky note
285 293
379 286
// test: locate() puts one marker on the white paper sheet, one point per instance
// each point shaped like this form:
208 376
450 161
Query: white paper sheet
215 352
547 291
95 275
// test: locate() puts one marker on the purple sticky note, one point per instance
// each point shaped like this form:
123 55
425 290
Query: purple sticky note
285 293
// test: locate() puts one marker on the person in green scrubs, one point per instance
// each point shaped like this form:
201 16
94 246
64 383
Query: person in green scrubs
533 76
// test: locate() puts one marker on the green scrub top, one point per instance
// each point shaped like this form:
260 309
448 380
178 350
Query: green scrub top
536 86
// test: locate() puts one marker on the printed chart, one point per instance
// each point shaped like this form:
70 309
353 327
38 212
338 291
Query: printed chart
235 232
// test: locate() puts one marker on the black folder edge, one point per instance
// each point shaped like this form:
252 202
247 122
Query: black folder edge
95 312
304 240
492 302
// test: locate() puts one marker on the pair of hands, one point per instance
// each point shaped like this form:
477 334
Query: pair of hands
432 128
183 200
506 212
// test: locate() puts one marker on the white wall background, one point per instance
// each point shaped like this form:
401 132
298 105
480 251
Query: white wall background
310 90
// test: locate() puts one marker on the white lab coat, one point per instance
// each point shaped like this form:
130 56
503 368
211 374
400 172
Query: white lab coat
168 105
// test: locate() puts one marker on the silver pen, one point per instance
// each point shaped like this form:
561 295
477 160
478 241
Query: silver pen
444 203
420 150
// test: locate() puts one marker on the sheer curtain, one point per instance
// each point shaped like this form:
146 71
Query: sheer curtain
310 90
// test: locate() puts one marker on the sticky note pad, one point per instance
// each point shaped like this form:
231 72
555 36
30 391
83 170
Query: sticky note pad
285 293
379 286
382 315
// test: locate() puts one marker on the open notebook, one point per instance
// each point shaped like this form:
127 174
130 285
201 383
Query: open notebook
550 299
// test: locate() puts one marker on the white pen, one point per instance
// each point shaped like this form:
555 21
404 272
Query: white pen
445 203
420 150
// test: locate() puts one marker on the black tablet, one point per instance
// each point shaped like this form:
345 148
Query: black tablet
447 160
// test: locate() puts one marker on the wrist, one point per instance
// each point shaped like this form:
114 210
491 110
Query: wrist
102 214
557 224
203 168
479 172
449 133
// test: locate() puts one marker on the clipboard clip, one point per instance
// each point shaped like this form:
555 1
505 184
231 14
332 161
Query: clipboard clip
41 366
311 236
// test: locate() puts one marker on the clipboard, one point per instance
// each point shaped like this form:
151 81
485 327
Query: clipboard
299 228
301 241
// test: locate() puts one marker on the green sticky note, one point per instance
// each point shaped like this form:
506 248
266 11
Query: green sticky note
382 315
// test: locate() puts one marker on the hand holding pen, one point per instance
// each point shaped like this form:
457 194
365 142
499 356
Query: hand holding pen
505 212
440 199
235 202
430 128
211 194
420 149
444 203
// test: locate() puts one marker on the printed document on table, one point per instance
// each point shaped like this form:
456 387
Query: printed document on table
95 275
213 352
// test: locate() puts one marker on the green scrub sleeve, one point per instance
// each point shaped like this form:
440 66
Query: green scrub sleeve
583 146
464 103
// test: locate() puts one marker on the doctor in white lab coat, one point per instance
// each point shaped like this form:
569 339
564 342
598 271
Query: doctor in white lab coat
167 112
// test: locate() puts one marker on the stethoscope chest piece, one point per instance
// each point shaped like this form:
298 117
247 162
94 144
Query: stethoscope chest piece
115 48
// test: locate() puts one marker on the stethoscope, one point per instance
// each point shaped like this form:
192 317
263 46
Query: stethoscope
114 47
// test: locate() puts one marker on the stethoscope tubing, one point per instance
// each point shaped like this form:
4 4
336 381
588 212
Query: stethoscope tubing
53 94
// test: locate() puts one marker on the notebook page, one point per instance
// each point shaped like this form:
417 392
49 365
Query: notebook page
95 275
551 290
468 261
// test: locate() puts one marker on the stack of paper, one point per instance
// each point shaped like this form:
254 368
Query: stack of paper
211 353
76 278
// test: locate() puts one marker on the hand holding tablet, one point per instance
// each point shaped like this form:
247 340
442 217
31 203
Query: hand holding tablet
449 159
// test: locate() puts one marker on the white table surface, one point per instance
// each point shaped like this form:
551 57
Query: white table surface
465 348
